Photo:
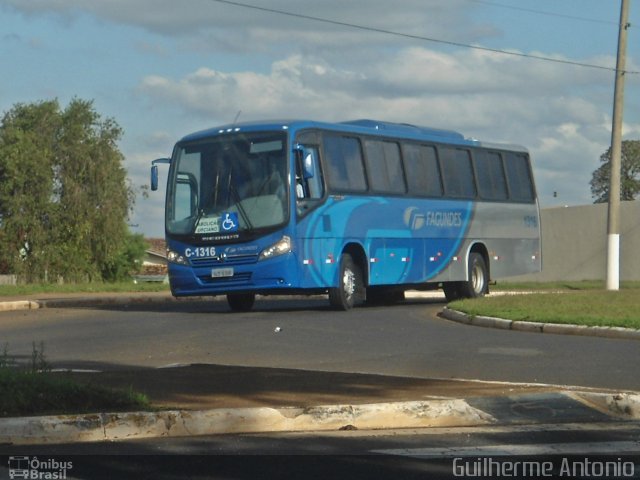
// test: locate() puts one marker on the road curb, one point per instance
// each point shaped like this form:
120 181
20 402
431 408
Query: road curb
377 416
535 327
177 423
625 406
98 301
79 302
18 305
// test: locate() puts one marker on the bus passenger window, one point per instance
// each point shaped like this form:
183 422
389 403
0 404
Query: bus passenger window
519 178
457 172
343 157
384 167
423 173
491 181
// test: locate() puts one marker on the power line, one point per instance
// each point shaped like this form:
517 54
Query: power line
542 12
418 37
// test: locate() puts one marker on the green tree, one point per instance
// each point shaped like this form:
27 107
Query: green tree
629 174
27 163
92 191
128 260
64 196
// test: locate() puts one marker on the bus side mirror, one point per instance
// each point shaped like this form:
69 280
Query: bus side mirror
154 172
154 177
308 161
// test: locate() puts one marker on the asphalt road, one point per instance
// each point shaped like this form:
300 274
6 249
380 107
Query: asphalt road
557 451
405 340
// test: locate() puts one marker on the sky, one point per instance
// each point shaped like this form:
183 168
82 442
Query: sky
163 69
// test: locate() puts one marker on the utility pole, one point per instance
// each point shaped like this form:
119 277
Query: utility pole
613 223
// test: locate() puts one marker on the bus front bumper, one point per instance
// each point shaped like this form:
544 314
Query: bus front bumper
267 276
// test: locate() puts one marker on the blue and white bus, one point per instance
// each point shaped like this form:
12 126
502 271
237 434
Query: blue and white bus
360 210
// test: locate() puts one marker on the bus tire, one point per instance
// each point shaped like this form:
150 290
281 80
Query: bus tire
349 291
478 274
241 302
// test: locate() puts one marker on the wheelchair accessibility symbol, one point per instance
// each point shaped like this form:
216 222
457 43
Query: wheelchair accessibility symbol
230 222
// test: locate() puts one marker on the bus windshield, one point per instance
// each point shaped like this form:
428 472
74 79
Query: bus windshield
228 184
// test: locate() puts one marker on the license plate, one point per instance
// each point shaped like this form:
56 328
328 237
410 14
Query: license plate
222 272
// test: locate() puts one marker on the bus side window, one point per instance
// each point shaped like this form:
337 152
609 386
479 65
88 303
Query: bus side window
492 183
423 172
519 178
457 172
384 166
343 159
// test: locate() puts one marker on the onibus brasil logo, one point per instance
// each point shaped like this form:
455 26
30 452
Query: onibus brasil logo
36 469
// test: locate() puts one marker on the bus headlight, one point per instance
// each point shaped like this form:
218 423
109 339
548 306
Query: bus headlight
281 247
175 257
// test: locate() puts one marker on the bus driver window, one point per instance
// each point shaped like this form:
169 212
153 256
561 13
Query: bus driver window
309 184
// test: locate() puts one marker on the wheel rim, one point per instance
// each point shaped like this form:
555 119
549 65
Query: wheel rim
477 279
349 283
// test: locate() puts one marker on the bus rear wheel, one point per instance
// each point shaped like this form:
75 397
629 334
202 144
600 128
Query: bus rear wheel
350 289
476 286
478 283
241 302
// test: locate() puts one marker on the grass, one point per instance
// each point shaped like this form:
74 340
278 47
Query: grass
559 286
37 393
34 289
35 390
586 306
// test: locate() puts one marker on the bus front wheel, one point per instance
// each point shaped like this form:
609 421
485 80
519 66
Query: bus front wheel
241 302
349 291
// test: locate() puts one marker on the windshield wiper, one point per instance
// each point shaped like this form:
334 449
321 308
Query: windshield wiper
216 189
198 218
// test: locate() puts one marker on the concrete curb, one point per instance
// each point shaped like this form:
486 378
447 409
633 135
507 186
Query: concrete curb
97 301
176 423
93 301
180 423
18 305
535 327
71 302
625 406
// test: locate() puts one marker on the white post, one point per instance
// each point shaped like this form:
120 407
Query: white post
613 221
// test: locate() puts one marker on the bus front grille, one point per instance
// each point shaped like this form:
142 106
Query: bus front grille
239 278
231 260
